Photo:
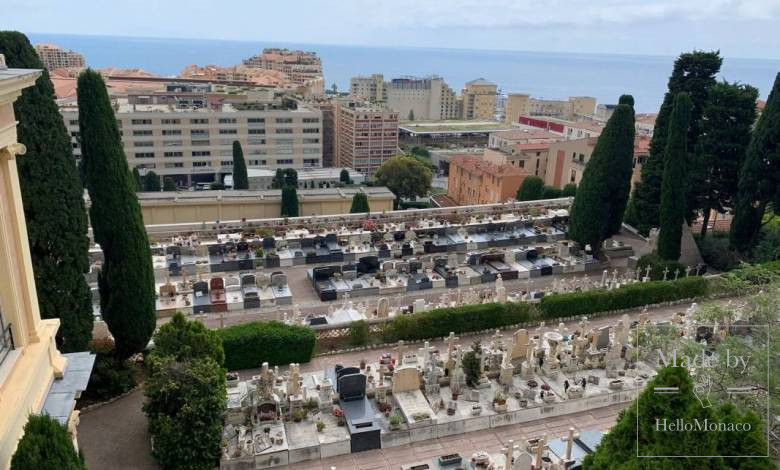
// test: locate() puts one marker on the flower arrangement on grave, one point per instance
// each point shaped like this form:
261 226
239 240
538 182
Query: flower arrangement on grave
369 225
311 404
385 407
320 425
420 416
395 421
499 398
298 415
338 413
259 253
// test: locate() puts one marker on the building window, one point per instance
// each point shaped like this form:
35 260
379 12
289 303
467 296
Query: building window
255 120
73 122
284 142
311 150
174 165
171 143
171 132
199 121
199 132
284 131
145 132
144 155
256 131
170 121
200 143
228 131
144 143
255 141
283 120
173 154
257 162
311 130
226 163
284 161
311 141
141 122
201 153
227 120
311 162
200 164
310 120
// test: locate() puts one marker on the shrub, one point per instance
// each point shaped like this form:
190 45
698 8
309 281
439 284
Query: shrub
249 345
630 296
714 248
657 266
471 364
439 322
187 340
551 192
358 333
111 376
46 445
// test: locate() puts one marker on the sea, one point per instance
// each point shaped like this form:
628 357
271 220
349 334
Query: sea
549 75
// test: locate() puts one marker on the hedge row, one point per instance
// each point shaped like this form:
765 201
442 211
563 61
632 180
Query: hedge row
440 322
249 345
630 296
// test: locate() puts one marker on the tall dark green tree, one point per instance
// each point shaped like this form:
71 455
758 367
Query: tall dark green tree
46 445
405 176
673 185
343 176
53 201
359 203
726 128
759 179
598 208
138 180
169 184
290 201
126 281
278 180
694 73
240 178
152 182
531 189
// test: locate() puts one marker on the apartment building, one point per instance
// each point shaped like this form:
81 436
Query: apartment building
562 127
512 137
478 100
55 57
196 144
366 136
368 88
327 106
530 157
473 180
521 104
517 104
303 67
35 377
426 98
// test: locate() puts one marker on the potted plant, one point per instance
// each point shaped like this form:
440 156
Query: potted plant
499 402
298 415
320 425
338 413
395 422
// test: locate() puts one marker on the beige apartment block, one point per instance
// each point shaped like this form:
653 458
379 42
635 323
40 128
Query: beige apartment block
368 88
366 136
422 98
478 100
303 67
521 104
530 157
197 143
566 161
517 104
55 57
474 180
30 363
195 207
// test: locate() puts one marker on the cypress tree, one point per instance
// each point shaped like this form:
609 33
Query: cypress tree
344 176
551 192
530 189
673 185
126 282
46 445
240 178
359 203
693 73
169 184
727 125
600 202
278 180
759 179
152 182
289 201
53 202
569 190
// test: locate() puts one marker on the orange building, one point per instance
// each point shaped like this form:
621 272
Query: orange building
473 180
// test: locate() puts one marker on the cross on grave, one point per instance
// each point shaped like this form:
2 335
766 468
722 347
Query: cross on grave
687 271
426 352
647 272
666 272
676 273
541 445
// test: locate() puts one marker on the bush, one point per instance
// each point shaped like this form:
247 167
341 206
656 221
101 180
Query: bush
630 296
551 192
440 322
657 266
358 333
111 376
249 345
184 340
46 445
768 247
714 248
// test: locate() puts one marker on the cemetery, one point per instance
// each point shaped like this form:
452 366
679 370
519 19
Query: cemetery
416 393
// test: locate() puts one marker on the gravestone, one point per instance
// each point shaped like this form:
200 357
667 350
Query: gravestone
352 386
602 338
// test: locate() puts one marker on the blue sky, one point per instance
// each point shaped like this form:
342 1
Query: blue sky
739 28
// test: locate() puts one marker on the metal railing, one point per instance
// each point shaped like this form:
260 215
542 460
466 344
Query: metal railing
6 340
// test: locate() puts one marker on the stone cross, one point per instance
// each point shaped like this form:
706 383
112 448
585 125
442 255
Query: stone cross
614 276
676 273
687 271
569 443
647 272
451 343
540 446
508 453
426 351
666 272
604 278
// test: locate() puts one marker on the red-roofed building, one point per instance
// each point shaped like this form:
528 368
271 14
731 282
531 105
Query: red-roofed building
473 180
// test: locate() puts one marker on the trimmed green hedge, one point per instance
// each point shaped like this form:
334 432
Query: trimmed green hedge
440 322
247 346
630 296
